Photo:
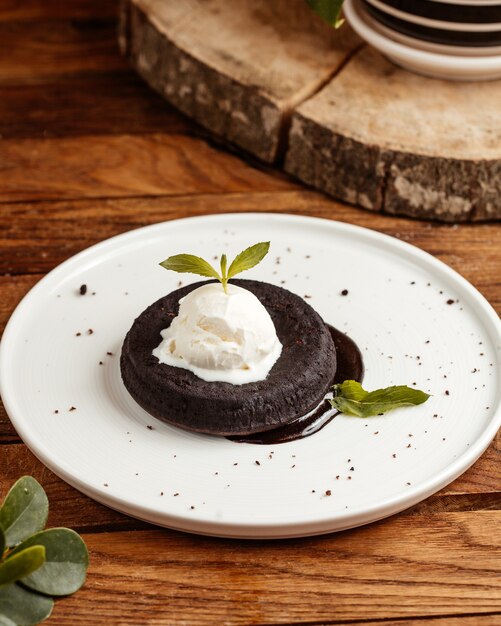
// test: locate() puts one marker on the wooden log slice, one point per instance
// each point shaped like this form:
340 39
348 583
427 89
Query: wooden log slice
238 68
363 130
389 140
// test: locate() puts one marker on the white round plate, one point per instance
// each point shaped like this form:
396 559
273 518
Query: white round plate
76 416
445 66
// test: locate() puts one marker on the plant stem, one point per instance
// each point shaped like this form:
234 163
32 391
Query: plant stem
224 274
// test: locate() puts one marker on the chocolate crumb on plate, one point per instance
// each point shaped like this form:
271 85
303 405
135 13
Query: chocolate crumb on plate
344 292
328 492
83 289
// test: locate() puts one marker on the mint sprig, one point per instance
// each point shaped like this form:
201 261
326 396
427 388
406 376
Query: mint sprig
328 10
352 399
191 264
35 563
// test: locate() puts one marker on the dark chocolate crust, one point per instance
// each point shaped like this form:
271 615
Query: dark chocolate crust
295 385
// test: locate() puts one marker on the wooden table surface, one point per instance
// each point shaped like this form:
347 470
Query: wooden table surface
88 151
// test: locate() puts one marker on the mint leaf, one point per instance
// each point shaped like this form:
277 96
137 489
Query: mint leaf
352 399
328 10
224 273
352 390
248 258
22 564
190 264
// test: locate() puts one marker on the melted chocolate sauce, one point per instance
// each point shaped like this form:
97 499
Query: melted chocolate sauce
349 367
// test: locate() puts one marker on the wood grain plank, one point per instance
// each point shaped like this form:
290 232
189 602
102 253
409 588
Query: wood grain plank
29 10
68 504
57 47
36 237
391 569
446 620
124 165
8 433
102 103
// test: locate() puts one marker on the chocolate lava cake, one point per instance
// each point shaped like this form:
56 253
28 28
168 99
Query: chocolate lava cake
295 385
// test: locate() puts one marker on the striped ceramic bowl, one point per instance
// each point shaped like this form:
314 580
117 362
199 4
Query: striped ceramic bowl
455 39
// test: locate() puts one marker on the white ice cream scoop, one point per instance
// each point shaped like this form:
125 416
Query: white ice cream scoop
228 337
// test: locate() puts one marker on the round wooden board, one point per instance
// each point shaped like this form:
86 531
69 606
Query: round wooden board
273 80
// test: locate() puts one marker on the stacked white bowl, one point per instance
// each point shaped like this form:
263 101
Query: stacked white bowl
452 39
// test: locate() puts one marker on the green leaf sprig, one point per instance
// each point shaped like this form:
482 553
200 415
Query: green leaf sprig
328 10
352 399
191 264
35 563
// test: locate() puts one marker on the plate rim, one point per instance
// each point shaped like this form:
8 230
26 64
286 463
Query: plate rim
317 524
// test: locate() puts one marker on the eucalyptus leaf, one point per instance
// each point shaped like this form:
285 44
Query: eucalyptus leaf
190 264
22 564
2 542
23 607
328 10
24 510
248 258
5 621
352 399
66 562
